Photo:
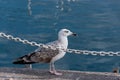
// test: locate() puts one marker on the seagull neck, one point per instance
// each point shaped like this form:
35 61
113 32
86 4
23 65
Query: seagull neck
63 40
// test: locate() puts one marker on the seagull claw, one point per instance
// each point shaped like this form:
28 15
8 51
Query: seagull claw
56 73
51 72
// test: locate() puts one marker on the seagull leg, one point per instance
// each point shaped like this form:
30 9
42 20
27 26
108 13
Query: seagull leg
28 66
54 71
50 69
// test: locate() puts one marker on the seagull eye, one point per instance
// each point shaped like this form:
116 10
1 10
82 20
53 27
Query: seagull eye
66 31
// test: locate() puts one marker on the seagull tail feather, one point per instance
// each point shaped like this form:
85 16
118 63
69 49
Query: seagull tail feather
23 60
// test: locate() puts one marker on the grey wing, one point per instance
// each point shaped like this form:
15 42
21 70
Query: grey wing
44 55
40 55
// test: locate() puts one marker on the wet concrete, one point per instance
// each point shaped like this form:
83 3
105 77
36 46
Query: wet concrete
36 74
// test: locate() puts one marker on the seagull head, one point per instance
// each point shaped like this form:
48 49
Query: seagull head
66 32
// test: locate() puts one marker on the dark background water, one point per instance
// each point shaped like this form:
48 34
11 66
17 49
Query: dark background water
97 22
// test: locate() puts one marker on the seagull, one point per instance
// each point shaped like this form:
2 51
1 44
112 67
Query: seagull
48 55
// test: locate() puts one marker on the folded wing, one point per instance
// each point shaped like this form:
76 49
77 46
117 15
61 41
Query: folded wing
44 55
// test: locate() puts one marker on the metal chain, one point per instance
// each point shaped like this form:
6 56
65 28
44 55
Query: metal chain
94 53
22 40
29 7
85 52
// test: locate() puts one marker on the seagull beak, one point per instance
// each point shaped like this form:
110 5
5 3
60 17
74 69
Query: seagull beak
74 34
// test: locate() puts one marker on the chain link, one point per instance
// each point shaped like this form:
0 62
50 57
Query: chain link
85 52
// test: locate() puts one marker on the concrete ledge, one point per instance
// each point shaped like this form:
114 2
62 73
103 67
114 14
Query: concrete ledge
36 74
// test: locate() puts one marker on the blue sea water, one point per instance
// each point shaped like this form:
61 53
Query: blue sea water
97 23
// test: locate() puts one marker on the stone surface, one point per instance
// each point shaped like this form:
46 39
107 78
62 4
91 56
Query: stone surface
36 74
